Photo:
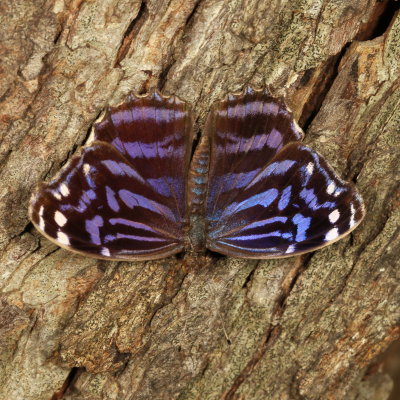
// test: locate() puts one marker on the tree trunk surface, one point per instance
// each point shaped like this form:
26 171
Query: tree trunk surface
307 327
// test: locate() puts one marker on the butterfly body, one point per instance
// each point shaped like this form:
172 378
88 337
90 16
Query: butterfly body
197 192
251 189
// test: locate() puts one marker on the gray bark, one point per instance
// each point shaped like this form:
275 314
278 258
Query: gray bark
299 328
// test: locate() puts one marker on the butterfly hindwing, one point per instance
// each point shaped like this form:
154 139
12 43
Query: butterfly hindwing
286 199
123 197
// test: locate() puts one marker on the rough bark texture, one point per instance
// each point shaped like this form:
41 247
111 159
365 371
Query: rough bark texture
299 328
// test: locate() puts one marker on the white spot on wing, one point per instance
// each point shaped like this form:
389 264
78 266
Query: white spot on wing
334 216
291 249
353 211
62 238
298 128
331 188
105 252
60 218
310 168
41 220
64 189
332 235
57 195
86 168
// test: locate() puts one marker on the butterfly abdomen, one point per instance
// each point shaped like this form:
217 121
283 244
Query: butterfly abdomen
197 191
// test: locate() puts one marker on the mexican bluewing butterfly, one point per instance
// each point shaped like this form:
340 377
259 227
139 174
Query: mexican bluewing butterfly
251 189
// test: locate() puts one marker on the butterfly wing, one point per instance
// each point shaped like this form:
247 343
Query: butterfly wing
269 195
124 196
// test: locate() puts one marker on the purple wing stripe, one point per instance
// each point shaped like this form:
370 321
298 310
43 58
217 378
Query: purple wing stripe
112 200
276 168
111 238
135 200
122 169
285 198
263 199
93 228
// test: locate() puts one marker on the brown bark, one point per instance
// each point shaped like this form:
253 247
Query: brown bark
298 328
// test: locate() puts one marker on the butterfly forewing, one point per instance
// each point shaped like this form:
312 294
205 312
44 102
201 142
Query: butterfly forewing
155 134
267 200
246 131
123 197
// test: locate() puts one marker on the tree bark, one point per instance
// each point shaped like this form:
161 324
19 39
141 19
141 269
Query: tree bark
306 327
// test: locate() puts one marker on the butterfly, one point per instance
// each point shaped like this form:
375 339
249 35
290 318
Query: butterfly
251 188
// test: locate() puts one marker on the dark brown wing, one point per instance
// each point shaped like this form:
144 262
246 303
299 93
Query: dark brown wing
124 196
